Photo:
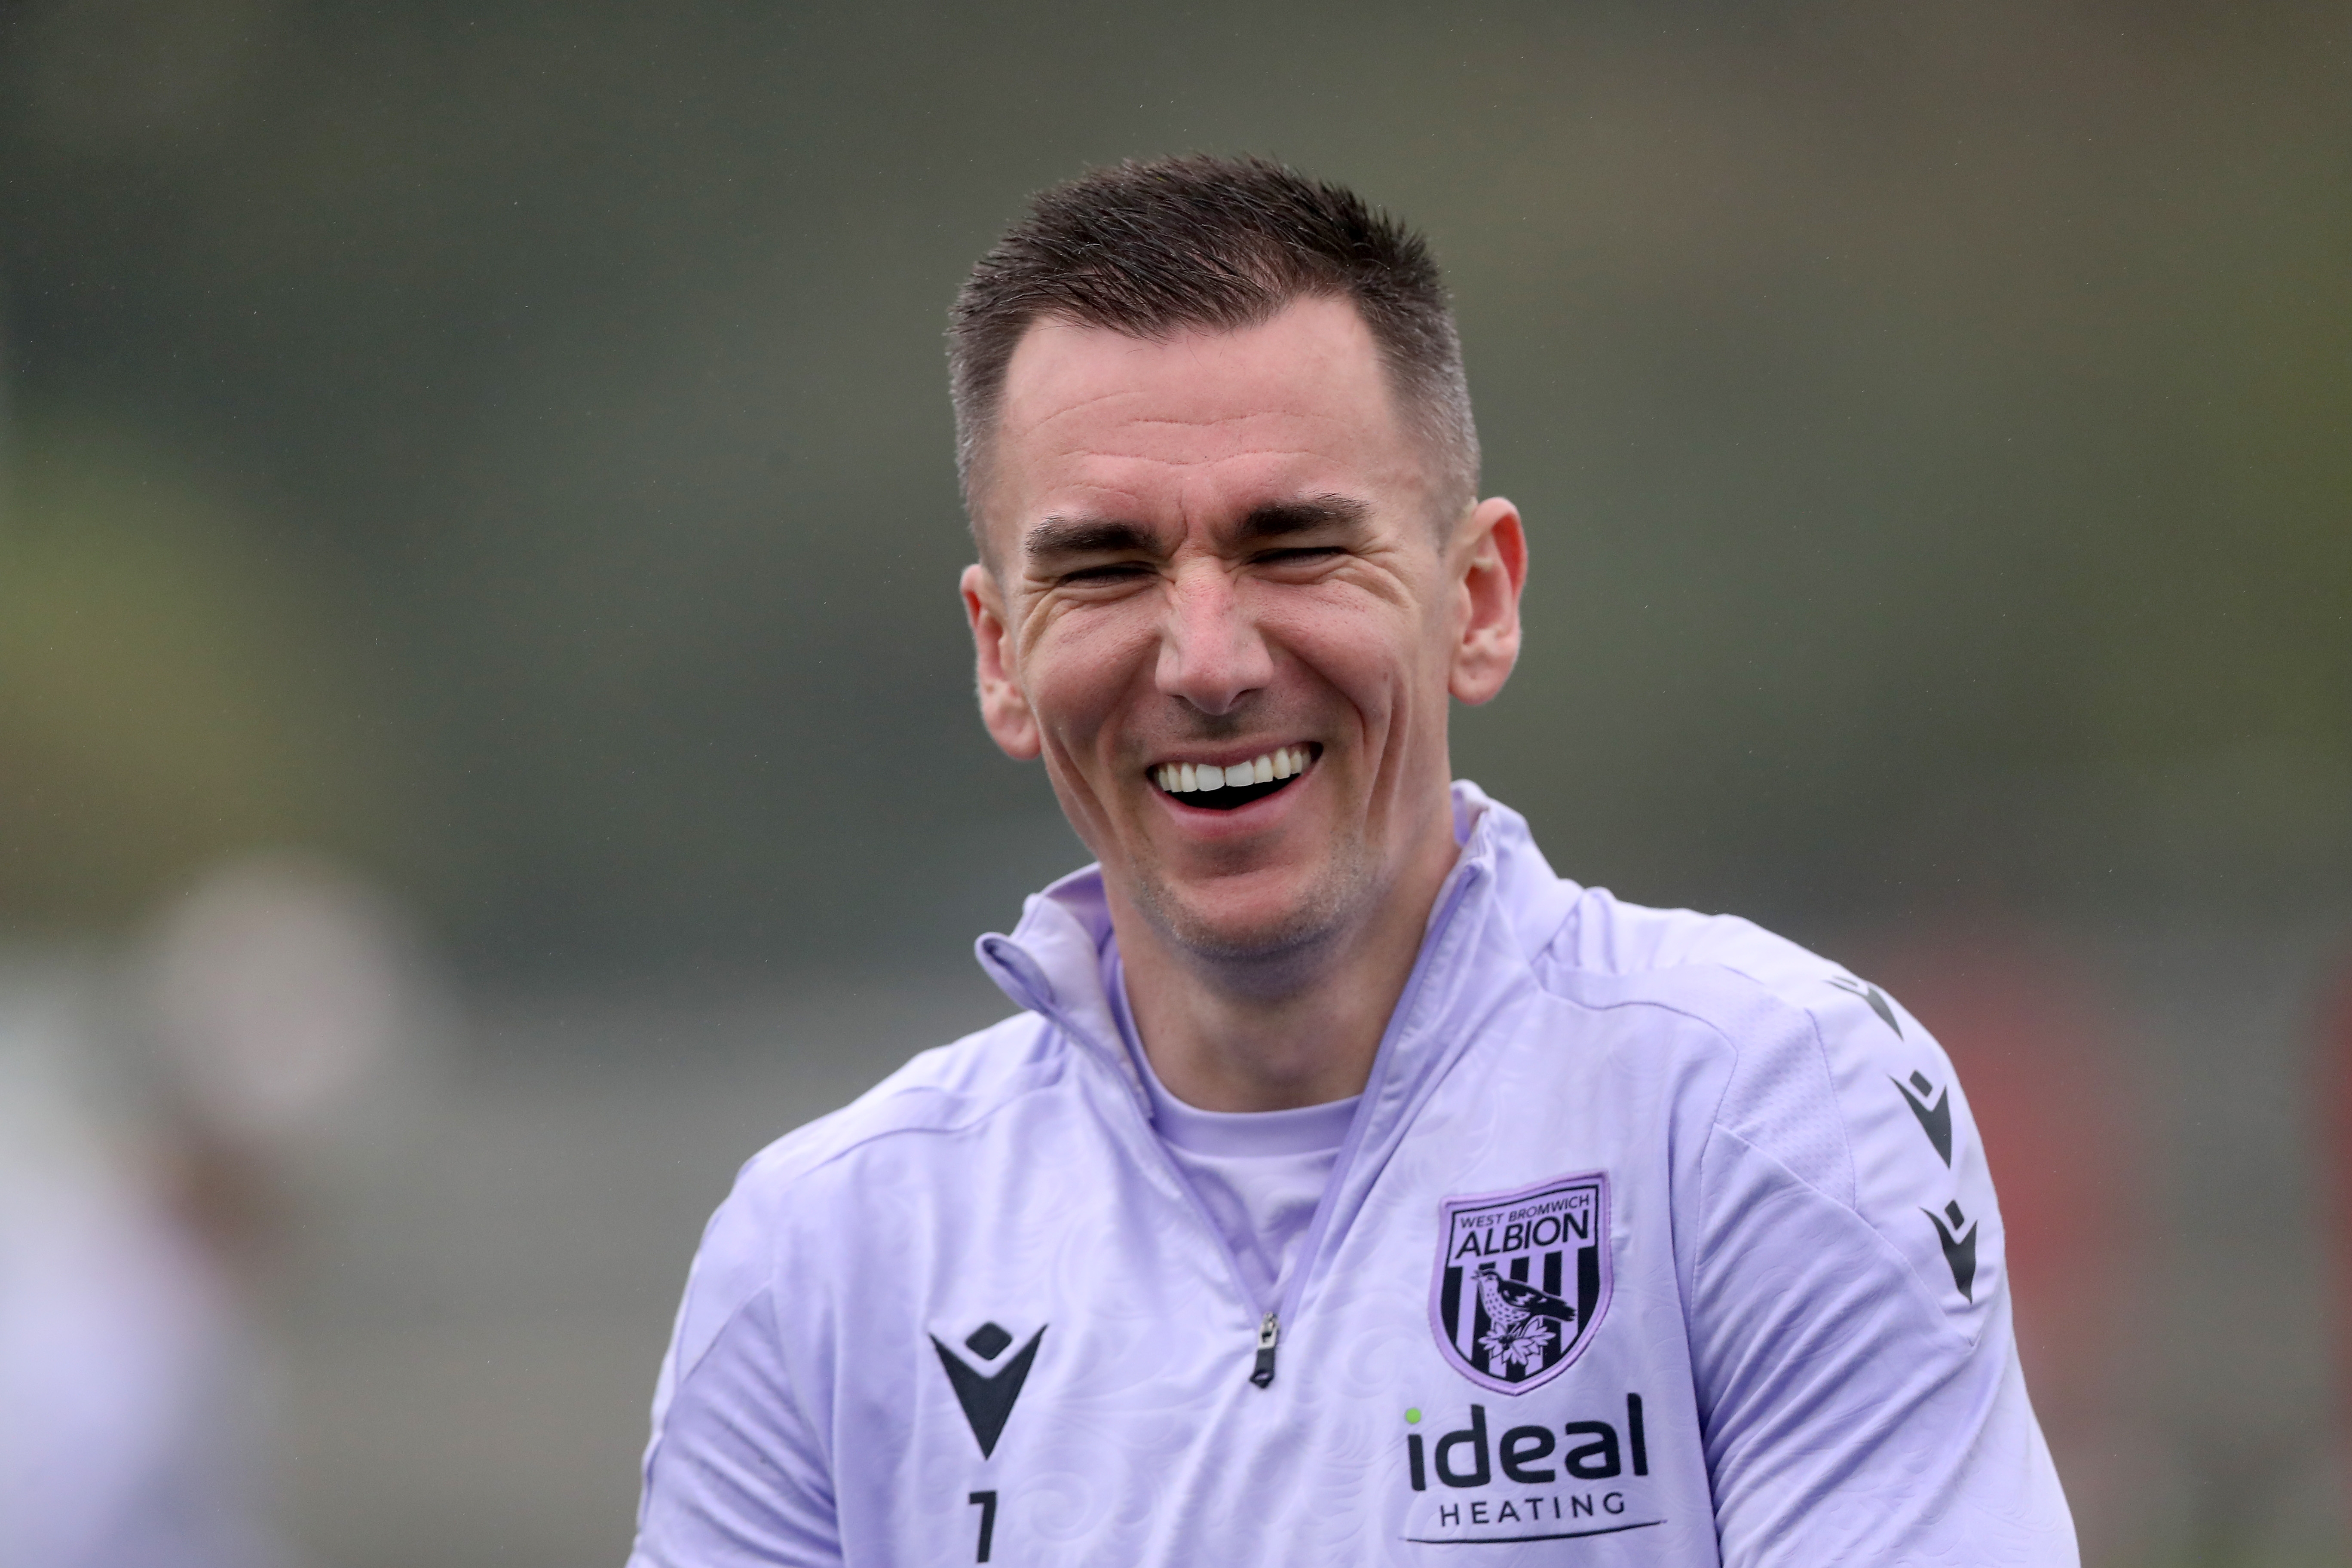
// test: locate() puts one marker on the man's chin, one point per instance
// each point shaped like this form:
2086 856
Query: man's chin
1251 927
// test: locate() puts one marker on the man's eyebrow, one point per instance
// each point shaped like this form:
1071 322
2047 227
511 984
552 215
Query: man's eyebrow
1058 536
1276 519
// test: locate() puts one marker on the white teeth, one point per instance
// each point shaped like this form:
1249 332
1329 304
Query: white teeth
1185 778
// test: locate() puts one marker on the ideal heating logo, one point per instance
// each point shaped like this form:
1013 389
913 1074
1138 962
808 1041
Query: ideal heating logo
1524 1479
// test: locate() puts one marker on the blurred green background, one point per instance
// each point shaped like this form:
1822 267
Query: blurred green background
507 443
505 448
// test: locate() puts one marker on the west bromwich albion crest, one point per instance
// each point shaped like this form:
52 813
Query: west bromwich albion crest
1523 1279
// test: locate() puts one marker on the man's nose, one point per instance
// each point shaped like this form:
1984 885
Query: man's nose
1211 654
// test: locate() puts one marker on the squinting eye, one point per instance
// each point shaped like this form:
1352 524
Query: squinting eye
1110 574
1302 553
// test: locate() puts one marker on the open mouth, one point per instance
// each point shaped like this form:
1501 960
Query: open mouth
1215 787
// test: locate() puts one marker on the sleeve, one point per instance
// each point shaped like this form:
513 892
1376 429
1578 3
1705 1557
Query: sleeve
1859 1386
735 1475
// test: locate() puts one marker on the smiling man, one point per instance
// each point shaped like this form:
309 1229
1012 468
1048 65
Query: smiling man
1350 1187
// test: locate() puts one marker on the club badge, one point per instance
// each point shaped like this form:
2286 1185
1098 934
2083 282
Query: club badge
1522 1281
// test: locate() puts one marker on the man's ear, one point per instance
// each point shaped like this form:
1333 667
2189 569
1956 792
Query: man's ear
1490 558
1002 708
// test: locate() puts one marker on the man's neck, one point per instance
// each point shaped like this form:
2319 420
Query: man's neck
1221 1039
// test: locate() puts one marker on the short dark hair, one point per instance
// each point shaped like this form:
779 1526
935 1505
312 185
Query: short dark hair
1154 248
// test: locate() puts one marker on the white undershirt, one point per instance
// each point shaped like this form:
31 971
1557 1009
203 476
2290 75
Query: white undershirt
1258 1173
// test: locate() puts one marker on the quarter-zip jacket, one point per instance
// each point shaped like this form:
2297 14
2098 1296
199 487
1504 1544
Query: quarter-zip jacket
1655 1239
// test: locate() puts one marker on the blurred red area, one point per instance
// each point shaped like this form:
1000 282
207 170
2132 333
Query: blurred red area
2034 1044
2335 1153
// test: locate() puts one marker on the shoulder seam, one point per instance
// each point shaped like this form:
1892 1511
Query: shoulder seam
683 1375
1844 1133
766 1289
1662 1005
1775 995
1879 1238
978 1116
1821 1050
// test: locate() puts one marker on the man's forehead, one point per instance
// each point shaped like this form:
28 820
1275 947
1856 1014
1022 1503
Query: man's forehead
1103 420
1314 360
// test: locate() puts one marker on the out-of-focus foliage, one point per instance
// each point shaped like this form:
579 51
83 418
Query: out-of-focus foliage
168 693
1934 424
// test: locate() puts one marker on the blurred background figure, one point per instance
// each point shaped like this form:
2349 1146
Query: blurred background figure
152 1116
504 449
126 1408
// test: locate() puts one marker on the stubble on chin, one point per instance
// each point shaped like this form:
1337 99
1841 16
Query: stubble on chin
1270 956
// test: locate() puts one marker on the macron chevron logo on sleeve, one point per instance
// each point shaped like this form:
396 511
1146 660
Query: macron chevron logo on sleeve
1958 1240
1935 1120
1874 997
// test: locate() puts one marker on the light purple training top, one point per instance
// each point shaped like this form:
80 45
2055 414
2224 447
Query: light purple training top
1655 1241
1259 1173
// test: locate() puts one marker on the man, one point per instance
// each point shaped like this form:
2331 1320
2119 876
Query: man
1350 1187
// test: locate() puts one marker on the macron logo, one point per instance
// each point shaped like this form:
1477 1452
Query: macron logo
987 1397
1935 1120
1959 1241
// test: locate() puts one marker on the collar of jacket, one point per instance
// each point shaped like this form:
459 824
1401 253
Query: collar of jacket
1500 905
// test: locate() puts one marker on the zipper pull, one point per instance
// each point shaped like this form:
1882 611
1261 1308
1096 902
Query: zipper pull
1269 1334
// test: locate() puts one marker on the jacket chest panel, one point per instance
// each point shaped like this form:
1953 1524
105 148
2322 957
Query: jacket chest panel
1133 1404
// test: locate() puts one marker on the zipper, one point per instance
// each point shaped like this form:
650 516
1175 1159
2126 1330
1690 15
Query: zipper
1269 1335
1269 1329
1311 1249
1269 1332
1111 1056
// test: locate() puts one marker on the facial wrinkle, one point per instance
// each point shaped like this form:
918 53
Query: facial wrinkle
1192 462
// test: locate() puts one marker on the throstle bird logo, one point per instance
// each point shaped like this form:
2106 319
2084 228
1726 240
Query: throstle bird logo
1523 1279
1521 1336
